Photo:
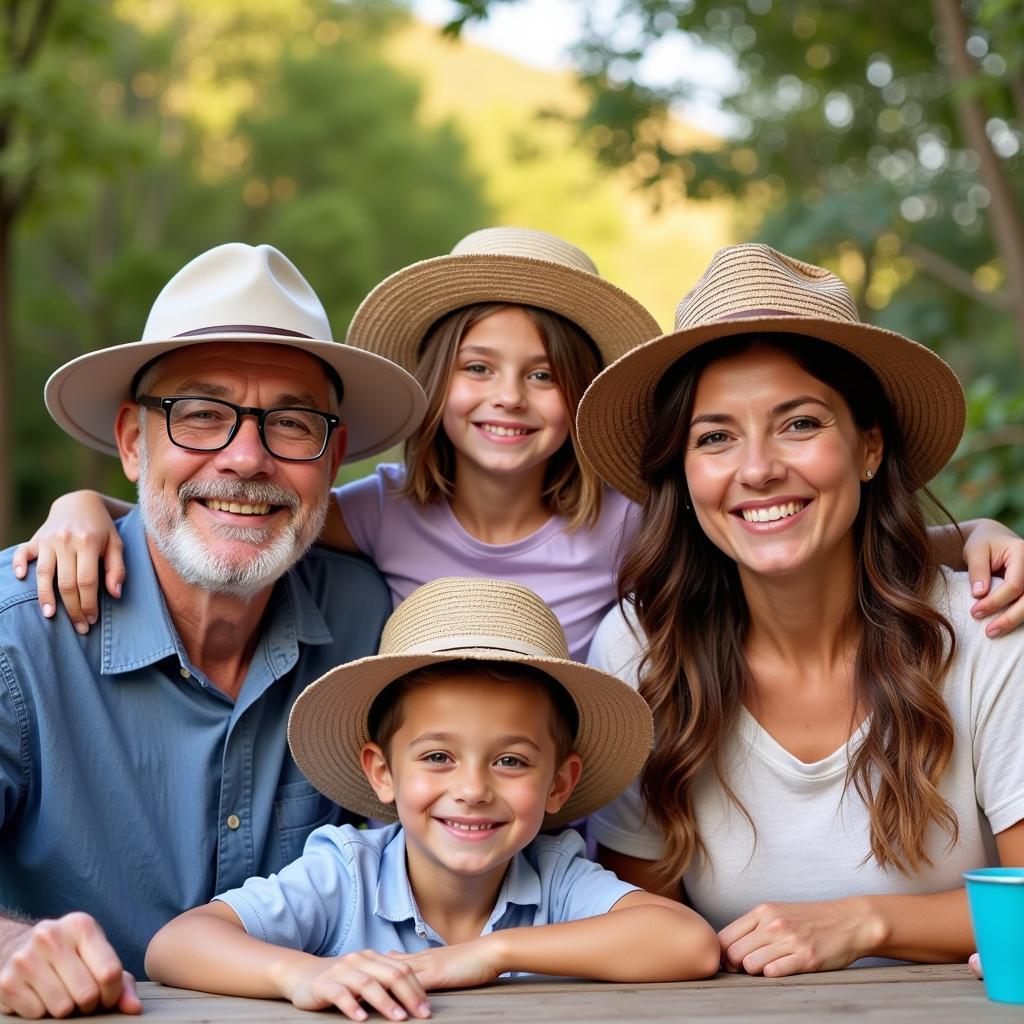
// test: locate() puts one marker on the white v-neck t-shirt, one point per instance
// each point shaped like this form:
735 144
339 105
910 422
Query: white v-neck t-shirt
812 834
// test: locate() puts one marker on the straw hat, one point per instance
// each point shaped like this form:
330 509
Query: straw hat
243 293
515 265
752 289
450 619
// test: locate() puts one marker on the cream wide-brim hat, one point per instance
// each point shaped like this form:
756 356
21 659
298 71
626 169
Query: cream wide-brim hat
456 618
515 265
752 289
238 293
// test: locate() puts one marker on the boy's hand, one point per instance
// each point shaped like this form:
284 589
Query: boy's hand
462 965
57 967
382 982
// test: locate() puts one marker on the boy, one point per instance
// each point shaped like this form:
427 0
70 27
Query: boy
475 730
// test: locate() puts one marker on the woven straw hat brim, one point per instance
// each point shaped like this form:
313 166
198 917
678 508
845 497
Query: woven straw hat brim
396 316
327 728
616 412
382 404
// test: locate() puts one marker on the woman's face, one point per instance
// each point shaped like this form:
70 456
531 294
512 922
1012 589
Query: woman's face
774 463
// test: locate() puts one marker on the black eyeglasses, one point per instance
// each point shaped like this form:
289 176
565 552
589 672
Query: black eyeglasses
208 425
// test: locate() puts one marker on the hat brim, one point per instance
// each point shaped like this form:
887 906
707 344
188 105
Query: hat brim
396 316
382 404
616 413
327 728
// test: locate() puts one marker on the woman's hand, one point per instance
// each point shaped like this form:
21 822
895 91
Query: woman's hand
77 534
462 965
383 982
992 548
975 962
776 939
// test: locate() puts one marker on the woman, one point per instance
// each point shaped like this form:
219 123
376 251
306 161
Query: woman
835 738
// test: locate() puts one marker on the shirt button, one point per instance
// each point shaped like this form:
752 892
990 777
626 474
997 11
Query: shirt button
184 673
233 821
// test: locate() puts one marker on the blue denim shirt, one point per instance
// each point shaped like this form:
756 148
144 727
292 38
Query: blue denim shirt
130 786
350 891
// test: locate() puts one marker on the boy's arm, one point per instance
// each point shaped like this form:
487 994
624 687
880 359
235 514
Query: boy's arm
208 949
642 938
985 547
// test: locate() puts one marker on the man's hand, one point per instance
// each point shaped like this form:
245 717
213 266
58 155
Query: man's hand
462 965
56 967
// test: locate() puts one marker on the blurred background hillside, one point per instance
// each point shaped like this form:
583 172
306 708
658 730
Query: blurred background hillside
885 142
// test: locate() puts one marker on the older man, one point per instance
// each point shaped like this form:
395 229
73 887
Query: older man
144 767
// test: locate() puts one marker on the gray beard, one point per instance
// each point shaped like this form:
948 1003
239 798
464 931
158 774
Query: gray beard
198 563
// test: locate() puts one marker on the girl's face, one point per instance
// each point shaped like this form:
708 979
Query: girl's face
774 463
504 414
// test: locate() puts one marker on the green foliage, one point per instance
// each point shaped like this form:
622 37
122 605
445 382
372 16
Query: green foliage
301 137
984 477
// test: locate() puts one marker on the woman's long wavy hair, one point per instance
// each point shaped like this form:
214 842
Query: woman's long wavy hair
693 613
571 488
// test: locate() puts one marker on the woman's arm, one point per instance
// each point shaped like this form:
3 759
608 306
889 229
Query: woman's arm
208 949
987 547
777 939
642 938
639 872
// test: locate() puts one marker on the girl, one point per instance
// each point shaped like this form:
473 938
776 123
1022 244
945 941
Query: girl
835 741
505 334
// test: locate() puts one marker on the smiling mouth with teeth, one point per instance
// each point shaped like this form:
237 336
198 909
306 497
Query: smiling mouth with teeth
772 513
238 508
484 826
491 428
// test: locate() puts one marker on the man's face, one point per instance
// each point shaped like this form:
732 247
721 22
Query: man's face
231 521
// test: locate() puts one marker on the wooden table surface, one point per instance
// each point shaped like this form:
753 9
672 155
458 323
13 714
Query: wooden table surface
925 994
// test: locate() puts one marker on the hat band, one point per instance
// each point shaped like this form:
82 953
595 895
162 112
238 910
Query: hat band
243 329
499 644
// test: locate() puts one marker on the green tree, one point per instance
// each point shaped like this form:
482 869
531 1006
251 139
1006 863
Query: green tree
881 138
266 122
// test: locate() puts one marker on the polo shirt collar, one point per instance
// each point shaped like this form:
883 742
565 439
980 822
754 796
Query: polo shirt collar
137 629
395 902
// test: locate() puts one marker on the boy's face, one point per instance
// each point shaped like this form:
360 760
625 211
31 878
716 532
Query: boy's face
472 771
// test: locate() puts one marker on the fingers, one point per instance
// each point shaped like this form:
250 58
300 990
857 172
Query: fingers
386 984
113 561
979 569
128 1001
730 936
23 554
61 967
1008 599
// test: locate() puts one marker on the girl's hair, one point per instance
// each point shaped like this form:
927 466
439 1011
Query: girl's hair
571 488
695 619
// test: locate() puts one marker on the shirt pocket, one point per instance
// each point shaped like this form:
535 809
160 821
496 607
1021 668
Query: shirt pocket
298 810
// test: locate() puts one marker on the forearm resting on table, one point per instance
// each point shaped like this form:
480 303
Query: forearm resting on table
933 928
638 943
208 950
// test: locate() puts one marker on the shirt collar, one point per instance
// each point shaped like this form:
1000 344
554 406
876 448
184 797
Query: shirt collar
395 902
137 629
521 887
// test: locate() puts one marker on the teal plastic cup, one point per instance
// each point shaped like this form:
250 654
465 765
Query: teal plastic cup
996 898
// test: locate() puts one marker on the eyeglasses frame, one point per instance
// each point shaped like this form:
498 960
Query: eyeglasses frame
167 402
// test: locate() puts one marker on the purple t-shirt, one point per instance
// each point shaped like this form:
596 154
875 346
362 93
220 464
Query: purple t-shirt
412 544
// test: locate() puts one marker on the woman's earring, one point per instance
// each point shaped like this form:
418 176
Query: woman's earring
869 473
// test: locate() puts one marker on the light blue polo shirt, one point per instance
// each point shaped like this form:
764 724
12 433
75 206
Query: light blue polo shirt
350 891
130 786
